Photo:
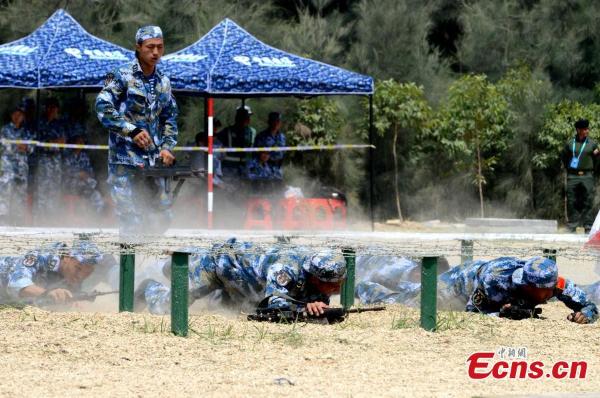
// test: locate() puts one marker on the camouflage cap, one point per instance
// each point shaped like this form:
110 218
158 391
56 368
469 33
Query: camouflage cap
538 271
148 32
85 252
326 266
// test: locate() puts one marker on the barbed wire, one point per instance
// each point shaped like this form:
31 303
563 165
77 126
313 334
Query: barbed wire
21 240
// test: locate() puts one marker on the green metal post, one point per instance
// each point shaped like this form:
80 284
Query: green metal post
550 254
429 293
347 291
466 251
126 278
179 294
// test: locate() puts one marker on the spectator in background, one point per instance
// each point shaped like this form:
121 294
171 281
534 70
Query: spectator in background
260 168
79 178
15 168
579 156
239 135
272 137
48 181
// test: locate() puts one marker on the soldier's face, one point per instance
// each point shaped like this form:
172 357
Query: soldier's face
17 117
326 288
150 51
537 295
73 271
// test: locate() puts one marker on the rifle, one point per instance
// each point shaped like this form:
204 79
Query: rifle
171 173
520 310
329 316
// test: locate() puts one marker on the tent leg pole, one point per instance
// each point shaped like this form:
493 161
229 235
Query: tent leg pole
210 110
371 163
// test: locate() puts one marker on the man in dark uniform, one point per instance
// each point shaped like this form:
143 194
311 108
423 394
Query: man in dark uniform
579 157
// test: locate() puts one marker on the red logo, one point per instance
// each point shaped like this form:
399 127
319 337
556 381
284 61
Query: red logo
482 366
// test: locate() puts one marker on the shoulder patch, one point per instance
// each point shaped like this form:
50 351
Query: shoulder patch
110 77
30 261
282 278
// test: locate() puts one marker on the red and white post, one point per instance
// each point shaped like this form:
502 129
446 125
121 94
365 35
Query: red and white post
210 162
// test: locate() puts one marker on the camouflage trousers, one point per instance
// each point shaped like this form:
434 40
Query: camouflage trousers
143 206
13 188
223 281
48 186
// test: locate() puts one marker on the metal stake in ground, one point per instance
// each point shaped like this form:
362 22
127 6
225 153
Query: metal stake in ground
466 251
429 293
550 254
347 291
126 278
179 294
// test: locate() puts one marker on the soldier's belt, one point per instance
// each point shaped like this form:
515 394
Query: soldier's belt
197 148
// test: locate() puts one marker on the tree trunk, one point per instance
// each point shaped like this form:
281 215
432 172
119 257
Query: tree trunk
480 179
397 190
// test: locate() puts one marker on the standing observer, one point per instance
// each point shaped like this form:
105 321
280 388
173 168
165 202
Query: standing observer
137 107
579 158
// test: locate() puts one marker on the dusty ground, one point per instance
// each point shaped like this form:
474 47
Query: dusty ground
372 354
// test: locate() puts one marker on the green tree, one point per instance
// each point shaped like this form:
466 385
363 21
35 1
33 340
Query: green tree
399 108
472 127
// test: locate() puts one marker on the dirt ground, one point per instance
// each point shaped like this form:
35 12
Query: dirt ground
383 354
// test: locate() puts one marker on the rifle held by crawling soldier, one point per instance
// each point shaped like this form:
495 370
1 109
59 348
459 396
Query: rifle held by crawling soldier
329 315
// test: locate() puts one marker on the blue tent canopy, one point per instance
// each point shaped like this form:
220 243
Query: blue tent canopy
60 53
228 61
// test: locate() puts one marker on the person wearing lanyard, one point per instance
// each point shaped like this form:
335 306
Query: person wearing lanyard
579 158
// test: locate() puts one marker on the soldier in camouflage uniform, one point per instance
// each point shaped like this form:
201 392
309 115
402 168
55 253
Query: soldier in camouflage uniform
279 278
48 179
137 107
487 286
15 168
238 135
272 137
260 168
79 178
54 271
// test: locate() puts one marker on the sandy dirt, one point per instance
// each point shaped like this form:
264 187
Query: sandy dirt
372 354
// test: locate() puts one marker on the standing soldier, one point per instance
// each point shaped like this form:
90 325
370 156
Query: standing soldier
578 157
272 137
238 135
49 163
15 168
137 107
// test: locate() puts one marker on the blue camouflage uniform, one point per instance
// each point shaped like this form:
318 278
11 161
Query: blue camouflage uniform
484 286
49 169
42 266
255 170
128 102
267 140
79 177
15 173
592 291
247 276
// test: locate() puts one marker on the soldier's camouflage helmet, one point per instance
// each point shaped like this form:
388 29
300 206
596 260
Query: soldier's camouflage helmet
148 32
539 272
85 252
326 266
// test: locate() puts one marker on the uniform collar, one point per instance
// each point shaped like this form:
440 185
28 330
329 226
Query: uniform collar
137 69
